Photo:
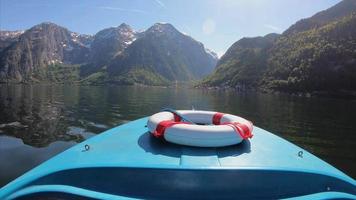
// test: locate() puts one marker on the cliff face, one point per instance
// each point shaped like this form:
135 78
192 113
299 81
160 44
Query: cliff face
37 48
8 37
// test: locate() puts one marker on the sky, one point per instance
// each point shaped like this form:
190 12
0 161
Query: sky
215 23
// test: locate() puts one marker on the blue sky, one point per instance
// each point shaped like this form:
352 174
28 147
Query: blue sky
216 23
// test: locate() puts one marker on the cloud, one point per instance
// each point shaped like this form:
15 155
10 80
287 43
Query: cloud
275 28
124 9
160 3
208 26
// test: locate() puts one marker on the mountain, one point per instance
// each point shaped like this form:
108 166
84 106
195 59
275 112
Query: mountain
44 45
8 37
319 59
48 52
162 54
337 12
106 45
243 63
111 42
316 54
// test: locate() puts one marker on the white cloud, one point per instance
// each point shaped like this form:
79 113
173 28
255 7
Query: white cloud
123 9
160 3
274 28
208 26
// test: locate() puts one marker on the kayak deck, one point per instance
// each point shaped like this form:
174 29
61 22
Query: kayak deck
127 161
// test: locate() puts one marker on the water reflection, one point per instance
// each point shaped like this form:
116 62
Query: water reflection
34 114
42 116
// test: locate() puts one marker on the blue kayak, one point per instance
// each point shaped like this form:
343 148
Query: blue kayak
126 162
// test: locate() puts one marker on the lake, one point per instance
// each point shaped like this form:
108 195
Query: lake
40 121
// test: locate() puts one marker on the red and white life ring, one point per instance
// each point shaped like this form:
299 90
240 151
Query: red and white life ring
217 129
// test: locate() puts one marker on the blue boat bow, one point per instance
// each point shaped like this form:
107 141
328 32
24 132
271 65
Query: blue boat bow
127 162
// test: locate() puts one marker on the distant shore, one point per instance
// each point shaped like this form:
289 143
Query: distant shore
347 94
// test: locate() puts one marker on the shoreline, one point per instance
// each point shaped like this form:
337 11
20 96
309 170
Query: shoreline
344 94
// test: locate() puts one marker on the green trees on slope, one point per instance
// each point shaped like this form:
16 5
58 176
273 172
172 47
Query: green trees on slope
322 58
243 64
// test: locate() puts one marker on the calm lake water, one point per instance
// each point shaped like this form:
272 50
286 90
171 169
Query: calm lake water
37 122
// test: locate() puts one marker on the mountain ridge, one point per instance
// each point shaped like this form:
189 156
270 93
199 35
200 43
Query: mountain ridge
340 10
48 48
315 55
242 63
172 49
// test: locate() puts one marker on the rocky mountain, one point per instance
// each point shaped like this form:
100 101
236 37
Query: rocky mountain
314 55
111 42
106 45
38 48
162 54
8 37
159 55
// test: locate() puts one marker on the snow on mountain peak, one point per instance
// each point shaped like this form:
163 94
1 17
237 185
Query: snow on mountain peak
10 34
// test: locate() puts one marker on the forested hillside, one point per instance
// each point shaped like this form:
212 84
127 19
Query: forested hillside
317 54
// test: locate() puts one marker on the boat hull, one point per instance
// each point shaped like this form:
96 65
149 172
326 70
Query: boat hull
127 162
150 183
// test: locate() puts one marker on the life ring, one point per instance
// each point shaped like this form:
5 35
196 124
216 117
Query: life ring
211 129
